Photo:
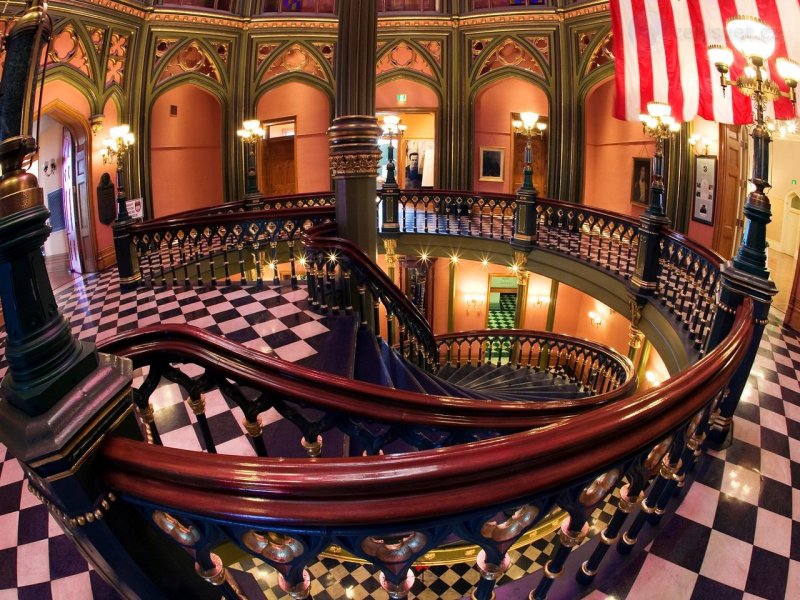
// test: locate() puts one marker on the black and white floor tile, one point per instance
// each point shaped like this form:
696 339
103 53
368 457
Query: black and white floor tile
735 535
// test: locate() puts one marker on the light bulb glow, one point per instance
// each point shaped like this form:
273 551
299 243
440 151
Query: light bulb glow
788 69
659 109
751 36
529 119
720 55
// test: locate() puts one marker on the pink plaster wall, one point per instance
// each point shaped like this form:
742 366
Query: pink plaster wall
186 151
312 111
105 238
493 107
536 315
610 146
441 286
419 95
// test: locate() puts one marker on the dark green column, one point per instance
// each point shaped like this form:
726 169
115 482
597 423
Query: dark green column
355 131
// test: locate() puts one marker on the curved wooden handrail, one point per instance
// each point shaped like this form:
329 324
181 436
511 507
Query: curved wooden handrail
176 343
707 253
315 240
400 488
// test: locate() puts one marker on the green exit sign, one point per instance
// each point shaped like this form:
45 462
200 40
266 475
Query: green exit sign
402 98
794 181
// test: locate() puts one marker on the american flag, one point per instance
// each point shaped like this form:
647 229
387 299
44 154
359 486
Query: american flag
660 48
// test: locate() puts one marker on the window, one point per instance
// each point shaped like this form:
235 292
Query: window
300 6
493 4
221 5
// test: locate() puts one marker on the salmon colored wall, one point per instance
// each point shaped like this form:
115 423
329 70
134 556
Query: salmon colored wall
657 368
418 95
186 151
312 111
700 232
610 146
493 107
441 286
472 279
572 318
105 237
536 315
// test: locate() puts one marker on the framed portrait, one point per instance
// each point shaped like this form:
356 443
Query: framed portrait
640 181
491 164
705 189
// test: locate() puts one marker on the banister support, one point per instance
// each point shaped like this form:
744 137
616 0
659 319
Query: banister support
127 260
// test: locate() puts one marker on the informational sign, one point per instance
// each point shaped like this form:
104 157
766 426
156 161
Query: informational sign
136 208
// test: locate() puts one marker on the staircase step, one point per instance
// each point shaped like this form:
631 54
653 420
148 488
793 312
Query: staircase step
370 366
431 383
331 359
522 376
401 376
475 373
460 372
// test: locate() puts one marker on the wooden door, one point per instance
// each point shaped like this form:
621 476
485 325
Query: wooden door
84 215
70 212
732 185
278 166
539 164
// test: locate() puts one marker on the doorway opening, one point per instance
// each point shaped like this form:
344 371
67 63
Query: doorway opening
62 172
279 158
538 158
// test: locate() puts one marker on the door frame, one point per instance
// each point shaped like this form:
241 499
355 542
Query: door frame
78 126
261 149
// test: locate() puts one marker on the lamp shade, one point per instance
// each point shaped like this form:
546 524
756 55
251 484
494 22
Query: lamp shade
120 131
720 56
658 109
391 120
751 36
529 119
788 69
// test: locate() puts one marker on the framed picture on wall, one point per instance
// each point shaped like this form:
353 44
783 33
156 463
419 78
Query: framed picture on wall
492 163
640 182
705 189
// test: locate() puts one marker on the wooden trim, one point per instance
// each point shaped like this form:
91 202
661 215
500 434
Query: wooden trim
106 258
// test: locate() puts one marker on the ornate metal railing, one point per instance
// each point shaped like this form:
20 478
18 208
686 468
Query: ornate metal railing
339 268
241 247
391 510
595 367
373 415
688 281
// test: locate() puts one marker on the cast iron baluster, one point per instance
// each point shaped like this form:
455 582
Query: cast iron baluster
331 271
198 244
319 261
292 266
389 326
258 264
347 292
631 497
376 314
197 402
311 280
273 247
362 304
143 408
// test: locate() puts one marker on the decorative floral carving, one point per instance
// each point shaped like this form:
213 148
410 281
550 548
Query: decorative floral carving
327 50
192 58
163 46
584 41
403 56
274 547
117 54
223 50
263 51
435 49
295 59
67 48
511 54
185 535
343 165
542 45
601 55
97 35
512 527
478 46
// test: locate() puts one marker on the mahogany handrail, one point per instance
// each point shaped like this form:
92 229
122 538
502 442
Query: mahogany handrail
426 484
177 343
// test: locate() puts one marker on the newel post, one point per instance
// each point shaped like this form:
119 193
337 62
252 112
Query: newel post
127 260
60 398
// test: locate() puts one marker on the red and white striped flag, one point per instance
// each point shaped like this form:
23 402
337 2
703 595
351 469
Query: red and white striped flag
660 48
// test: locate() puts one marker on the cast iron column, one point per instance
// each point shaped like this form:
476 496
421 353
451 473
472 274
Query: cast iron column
355 131
525 234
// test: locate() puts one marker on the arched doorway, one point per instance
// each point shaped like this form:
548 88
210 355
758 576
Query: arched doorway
186 150
294 156
496 105
64 169
417 155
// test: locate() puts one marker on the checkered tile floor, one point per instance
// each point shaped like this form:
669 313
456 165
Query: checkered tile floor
736 534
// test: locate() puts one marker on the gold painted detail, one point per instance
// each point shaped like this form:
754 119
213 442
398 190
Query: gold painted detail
601 55
344 165
296 58
254 428
511 527
511 53
635 338
587 571
15 200
640 283
313 449
216 574
551 574
275 547
146 414
492 572
192 58
599 488
198 405
668 470
101 507
390 247
404 56
185 535
570 538
394 549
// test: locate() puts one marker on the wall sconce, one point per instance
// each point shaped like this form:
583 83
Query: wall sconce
596 319
541 300
696 141
474 303
49 167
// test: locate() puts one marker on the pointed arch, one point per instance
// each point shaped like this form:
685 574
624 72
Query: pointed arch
69 47
295 58
510 54
194 58
407 56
